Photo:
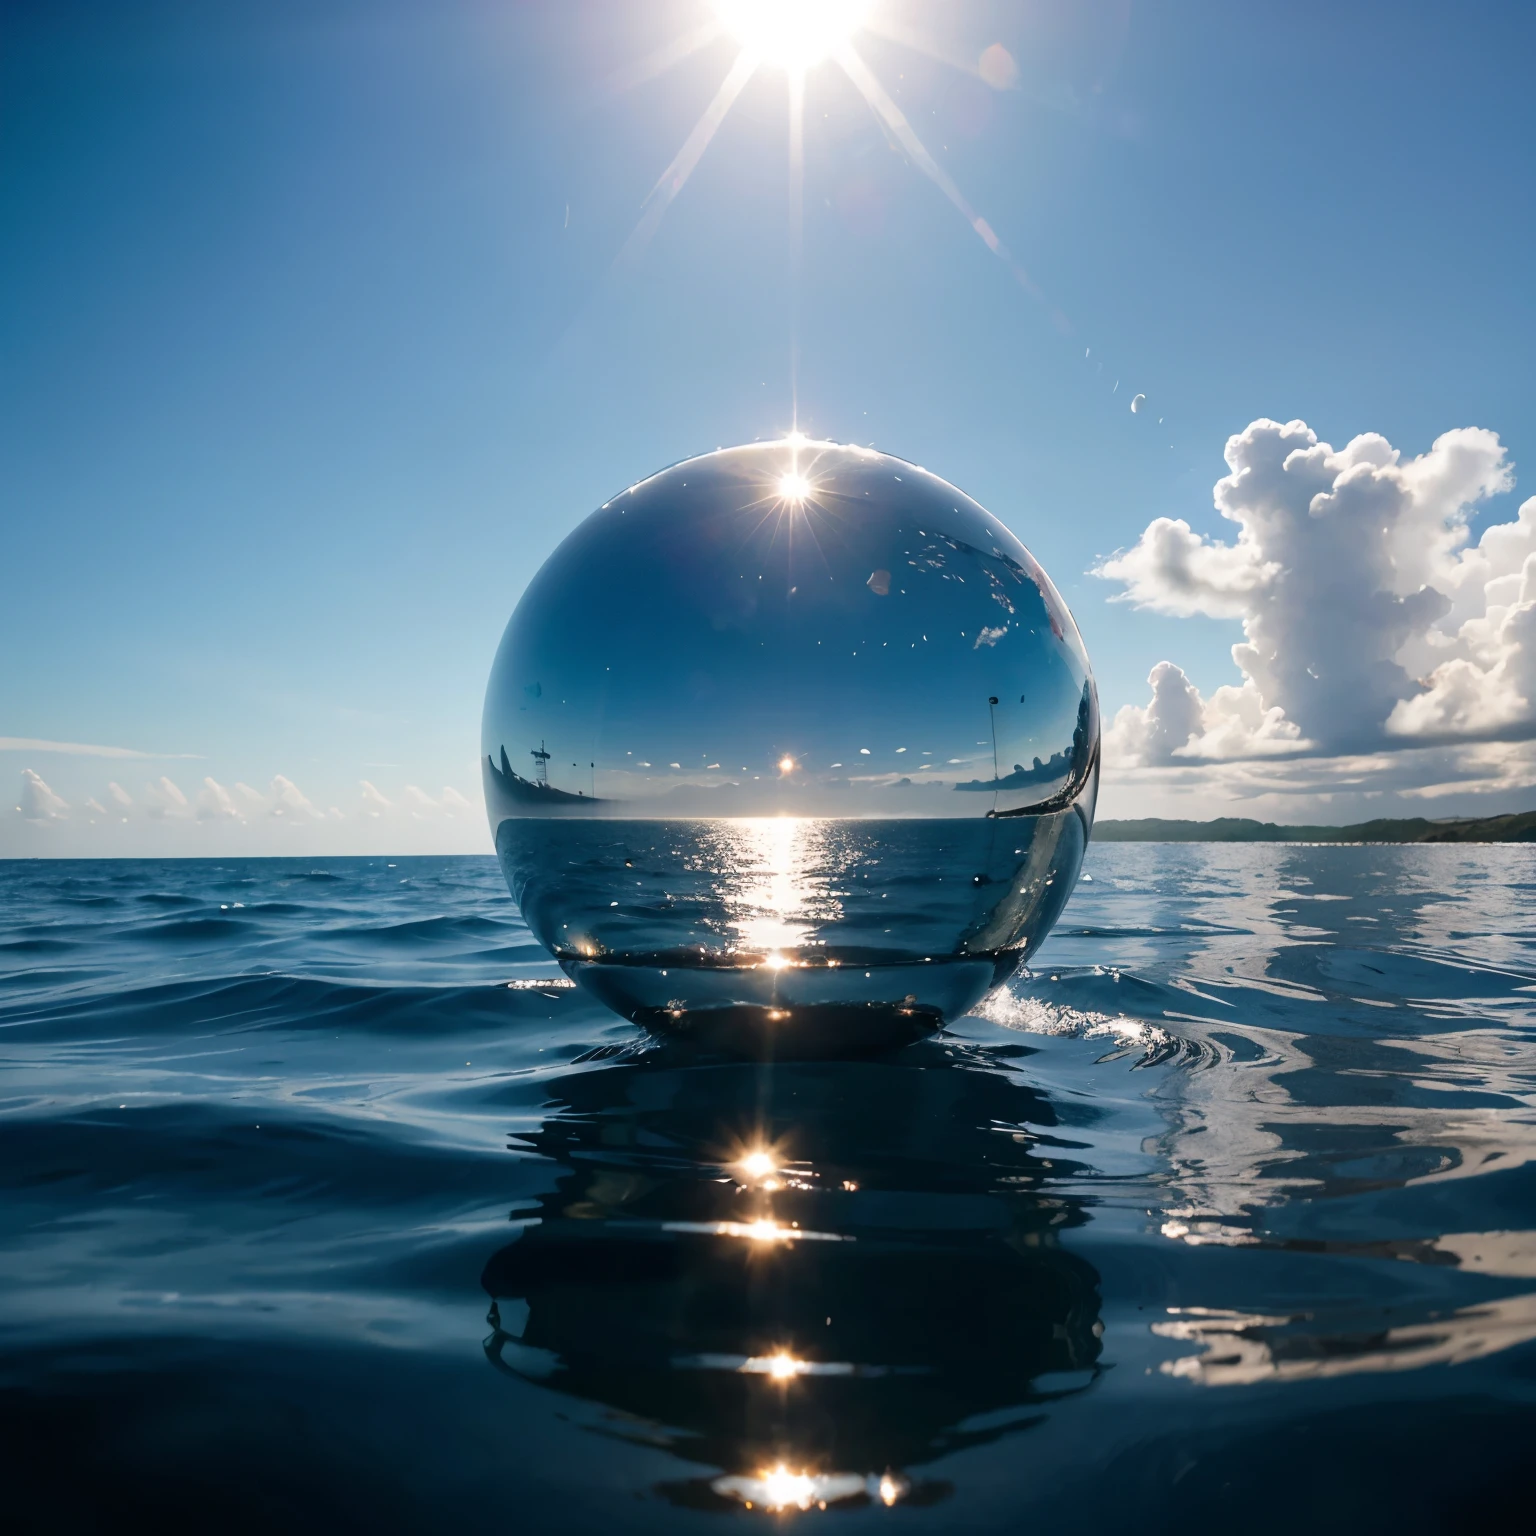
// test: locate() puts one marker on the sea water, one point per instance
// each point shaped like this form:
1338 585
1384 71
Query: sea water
330 1205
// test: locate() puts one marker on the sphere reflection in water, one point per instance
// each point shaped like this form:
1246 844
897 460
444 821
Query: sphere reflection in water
810 1285
791 744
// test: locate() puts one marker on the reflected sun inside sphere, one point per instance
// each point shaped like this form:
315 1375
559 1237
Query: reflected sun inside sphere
793 488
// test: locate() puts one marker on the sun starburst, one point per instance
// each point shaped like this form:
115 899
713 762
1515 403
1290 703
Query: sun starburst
795 37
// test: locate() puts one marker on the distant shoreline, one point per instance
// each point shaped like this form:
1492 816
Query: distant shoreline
1519 827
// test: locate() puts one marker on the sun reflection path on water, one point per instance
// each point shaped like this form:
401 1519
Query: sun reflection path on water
780 892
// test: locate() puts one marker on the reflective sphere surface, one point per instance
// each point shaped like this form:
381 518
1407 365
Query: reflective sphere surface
793 747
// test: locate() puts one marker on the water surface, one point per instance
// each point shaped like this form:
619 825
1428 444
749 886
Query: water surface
327 1207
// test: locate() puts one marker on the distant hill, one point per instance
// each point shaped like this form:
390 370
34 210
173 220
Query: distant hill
1517 828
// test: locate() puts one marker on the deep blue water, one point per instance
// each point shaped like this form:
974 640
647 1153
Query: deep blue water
1224 1217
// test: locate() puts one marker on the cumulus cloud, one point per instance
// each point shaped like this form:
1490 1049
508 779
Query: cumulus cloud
1368 620
38 802
451 803
1165 726
290 802
164 815
164 798
456 805
416 804
418 801
1179 724
215 803
116 802
374 803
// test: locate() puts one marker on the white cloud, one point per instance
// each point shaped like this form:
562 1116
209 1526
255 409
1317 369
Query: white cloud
374 803
1154 733
1180 725
233 817
214 803
418 804
78 748
1172 569
289 801
38 802
1451 778
164 798
418 801
1367 620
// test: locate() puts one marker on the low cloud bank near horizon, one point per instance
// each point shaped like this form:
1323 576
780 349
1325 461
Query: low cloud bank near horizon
163 803
1384 654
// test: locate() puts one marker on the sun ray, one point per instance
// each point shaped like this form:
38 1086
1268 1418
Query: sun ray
904 36
901 130
677 173
660 60
796 236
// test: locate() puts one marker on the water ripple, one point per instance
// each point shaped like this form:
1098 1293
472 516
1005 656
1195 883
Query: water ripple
333 1167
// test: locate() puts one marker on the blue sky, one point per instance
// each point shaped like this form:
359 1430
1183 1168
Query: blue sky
312 348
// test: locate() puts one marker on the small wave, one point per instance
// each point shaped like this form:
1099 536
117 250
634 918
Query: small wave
195 928
438 930
58 976
292 1153
300 1004
36 946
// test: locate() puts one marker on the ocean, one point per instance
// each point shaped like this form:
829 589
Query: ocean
329 1206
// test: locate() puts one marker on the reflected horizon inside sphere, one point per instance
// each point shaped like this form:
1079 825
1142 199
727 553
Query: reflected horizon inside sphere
792 747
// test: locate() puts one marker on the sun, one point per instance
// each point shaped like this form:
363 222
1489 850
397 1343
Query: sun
793 35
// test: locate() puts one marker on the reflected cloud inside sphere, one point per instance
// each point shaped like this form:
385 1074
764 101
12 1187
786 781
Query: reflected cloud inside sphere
791 744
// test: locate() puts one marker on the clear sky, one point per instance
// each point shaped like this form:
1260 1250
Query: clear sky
314 342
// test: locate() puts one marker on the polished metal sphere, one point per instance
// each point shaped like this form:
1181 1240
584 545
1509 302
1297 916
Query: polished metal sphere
791 747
